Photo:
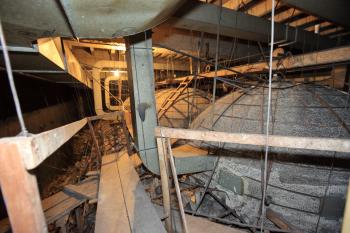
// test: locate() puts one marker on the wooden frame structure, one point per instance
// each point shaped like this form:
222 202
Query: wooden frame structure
18 156
164 135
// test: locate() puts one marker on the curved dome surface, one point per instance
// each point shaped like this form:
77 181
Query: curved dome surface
302 110
183 110
307 188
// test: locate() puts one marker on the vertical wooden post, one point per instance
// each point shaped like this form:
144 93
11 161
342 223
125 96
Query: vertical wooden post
346 218
191 66
165 183
177 186
126 134
94 138
20 192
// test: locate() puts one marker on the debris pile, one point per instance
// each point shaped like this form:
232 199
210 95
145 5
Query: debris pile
94 140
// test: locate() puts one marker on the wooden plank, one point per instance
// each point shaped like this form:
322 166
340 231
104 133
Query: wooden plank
346 220
87 188
62 203
201 225
142 215
329 56
36 148
54 200
309 143
63 208
198 224
111 215
279 221
20 192
111 115
177 186
164 176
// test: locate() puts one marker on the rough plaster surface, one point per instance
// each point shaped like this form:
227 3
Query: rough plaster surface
298 179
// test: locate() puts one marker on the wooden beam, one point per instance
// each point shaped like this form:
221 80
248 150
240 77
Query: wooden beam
278 10
141 212
88 59
331 31
111 215
285 15
313 21
19 187
248 5
262 8
332 10
164 176
346 219
323 57
296 17
20 191
177 187
36 148
123 204
308 143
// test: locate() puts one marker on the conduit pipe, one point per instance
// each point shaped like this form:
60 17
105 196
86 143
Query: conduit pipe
108 97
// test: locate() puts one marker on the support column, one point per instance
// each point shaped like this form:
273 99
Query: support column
338 77
141 85
20 191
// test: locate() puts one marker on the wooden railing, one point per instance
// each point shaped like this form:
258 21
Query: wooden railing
164 135
18 156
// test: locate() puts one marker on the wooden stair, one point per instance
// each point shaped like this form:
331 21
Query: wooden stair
174 95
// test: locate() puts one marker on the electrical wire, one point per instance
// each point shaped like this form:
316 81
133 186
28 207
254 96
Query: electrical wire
268 114
24 130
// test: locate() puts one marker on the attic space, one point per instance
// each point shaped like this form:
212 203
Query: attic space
174 116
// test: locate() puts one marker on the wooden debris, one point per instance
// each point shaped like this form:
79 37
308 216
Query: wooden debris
279 221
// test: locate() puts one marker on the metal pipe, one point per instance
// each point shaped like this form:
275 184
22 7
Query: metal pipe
12 83
108 97
286 36
292 42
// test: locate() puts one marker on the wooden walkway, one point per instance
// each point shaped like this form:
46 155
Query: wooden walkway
123 205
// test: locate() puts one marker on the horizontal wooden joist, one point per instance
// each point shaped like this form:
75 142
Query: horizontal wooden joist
159 64
323 57
333 10
35 148
308 143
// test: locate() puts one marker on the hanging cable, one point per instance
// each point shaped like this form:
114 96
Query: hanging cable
24 130
216 63
268 114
